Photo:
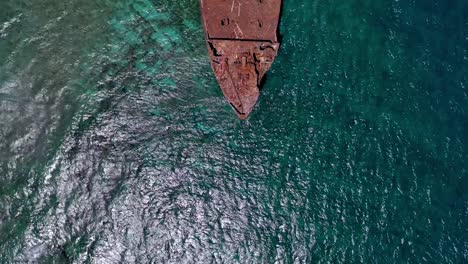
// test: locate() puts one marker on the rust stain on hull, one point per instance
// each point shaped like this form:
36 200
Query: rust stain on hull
241 36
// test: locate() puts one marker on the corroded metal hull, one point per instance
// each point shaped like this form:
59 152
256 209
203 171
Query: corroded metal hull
241 36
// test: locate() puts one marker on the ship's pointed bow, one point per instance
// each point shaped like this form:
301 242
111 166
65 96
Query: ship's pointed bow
242 41
247 103
239 67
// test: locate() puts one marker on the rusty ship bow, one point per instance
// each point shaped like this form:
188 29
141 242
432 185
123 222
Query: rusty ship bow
241 36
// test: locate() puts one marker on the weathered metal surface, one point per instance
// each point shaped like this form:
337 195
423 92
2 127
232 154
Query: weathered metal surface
242 43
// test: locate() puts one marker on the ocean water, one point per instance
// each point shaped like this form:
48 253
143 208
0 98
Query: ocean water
117 146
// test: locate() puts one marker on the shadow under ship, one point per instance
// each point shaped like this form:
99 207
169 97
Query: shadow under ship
242 42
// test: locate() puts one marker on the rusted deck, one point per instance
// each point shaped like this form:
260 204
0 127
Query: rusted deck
242 43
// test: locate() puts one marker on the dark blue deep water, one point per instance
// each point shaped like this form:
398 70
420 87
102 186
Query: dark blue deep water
117 146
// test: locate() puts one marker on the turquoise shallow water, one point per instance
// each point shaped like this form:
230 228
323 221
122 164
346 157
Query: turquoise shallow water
116 145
